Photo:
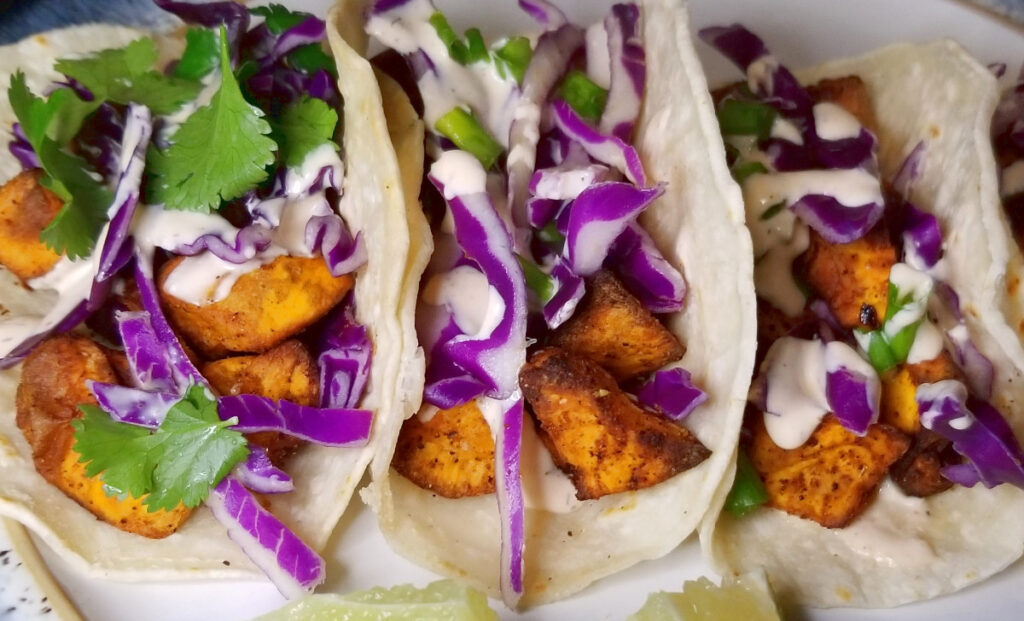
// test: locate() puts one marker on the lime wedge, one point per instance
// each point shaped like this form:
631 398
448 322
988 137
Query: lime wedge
746 597
442 600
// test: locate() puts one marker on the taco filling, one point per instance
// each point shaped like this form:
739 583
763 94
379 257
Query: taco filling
552 379
869 383
182 223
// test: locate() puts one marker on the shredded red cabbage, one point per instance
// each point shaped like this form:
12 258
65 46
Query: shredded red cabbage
565 183
977 431
510 499
234 16
598 217
258 474
671 392
248 241
146 355
132 405
976 367
569 290
344 359
836 222
852 387
546 14
659 286
922 238
608 149
328 236
339 427
293 567
446 385
628 71
22 150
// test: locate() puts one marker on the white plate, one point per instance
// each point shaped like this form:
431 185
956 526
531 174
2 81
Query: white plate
800 32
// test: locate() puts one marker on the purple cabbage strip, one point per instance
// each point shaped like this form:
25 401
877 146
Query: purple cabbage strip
185 371
909 172
597 218
100 139
446 385
922 238
344 360
548 63
328 236
834 221
511 507
146 355
628 71
22 150
249 241
569 290
540 211
646 272
976 367
233 15
494 359
293 567
132 405
138 128
257 473
608 149
310 30
977 431
565 183
671 392
543 12
853 390
338 427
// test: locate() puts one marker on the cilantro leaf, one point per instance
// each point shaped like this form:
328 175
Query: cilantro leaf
202 53
278 18
125 75
49 124
311 58
302 127
180 462
219 153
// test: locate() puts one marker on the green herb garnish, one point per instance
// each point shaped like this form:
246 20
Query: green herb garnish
179 463
584 95
202 53
748 491
302 127
515 57
462 128
537 280
278 18
746 118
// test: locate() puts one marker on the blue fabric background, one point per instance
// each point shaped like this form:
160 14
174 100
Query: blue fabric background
20 18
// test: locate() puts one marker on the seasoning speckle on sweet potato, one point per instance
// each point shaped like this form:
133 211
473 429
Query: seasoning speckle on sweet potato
596 434
265 307
450 454
612 328
26 208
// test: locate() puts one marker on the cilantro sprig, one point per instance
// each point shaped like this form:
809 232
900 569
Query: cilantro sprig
302 127
179 463
219 153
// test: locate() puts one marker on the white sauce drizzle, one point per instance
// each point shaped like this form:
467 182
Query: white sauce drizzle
832 122
773 273
928 343
786 130
796 400
545 486
891 531
851 187
460 173
476 306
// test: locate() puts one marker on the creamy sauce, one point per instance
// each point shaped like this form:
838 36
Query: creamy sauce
928 343
832 122
70 281
476 306
892 531
544 485
796 400
760 73
205 278
568 184
773 273
1012 179
460 173
936 392
852 187
298 180
786 130
918 286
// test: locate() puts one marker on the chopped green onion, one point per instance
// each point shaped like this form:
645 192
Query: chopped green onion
536 280
550 235
748 492
585 96
462 128
880 354
515 55
741 172
456 48
477 49
773 211
746 118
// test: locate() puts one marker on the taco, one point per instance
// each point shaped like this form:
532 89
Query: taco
587 251
203 293
879 463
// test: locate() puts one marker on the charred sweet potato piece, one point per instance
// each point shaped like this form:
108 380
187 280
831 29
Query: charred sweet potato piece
26 208
595 433
851 94
773 324
287 371
833 476
51 389
612 328
264 308
899 389
852 278
919 471
450 454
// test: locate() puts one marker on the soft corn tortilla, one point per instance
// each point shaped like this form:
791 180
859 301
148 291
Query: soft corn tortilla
325 478
698 225
938 94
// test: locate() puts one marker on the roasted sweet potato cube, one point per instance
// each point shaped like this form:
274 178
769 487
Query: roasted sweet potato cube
265 307
852 278
833 476
598 435
52 388
612 328
287 371
899 390
851 94
450 453
919 471
26 208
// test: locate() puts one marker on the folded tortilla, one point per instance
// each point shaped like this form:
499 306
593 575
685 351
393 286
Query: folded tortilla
901 549
325 478
698 226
